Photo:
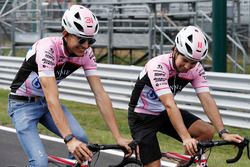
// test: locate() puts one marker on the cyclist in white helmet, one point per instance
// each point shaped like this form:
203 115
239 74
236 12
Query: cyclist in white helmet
152 106
34 96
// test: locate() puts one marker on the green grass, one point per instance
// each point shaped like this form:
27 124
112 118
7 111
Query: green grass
91 121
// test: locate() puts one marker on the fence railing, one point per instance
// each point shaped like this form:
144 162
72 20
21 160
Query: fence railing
231 91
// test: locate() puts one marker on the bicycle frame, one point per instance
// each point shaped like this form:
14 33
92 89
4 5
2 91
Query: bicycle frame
65 161
181 157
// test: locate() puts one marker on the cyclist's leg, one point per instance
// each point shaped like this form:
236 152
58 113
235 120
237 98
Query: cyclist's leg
143 128
196 127
25 117
201 130
76 129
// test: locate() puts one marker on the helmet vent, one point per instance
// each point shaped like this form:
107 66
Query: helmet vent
177 39
189 49
96 27
204 53
77 15
205 41
64 22
79 27
94 16
190 38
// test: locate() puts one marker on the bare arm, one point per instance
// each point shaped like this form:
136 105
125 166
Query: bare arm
50 89
213 114
105 107
177 122
52 97
211 110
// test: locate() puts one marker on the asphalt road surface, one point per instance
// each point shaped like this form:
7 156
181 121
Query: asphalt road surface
12 155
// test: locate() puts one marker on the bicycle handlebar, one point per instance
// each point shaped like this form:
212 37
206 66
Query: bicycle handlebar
208 144
98 147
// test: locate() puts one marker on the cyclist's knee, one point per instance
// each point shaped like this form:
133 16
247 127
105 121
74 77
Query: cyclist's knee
211 131
207 132
202 130
39 161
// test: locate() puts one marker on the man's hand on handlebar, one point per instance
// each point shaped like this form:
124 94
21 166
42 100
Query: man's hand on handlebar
190 146
232 137
125 143
79 150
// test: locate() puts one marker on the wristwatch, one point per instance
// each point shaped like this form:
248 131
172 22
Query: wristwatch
222 132
68 138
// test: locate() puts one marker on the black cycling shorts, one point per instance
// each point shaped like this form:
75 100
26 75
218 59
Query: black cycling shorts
144 127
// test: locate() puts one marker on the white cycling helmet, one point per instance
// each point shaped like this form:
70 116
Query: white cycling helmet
192 43
80 21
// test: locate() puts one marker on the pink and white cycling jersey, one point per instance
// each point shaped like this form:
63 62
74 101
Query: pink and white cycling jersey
47 58
160 77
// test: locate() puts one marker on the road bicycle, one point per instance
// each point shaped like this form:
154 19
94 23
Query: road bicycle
132 161
173 159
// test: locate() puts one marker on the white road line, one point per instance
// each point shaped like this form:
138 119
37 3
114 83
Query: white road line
45 137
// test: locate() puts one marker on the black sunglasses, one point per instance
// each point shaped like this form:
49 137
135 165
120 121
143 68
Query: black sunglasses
82 40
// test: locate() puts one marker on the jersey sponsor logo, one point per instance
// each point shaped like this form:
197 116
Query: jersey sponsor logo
47 61
92 56
176 84
160 84
49 56
64 70
152 95
62 73
36 83
176 88
52 51
158 74
160 79
159 66
202 73
158 71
